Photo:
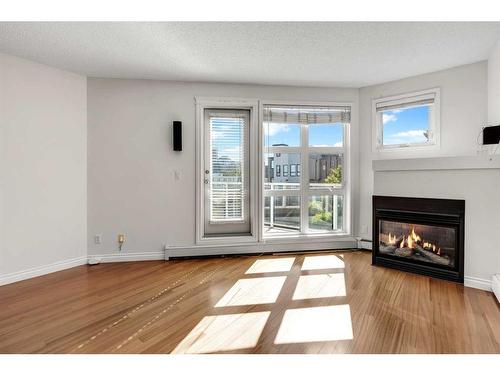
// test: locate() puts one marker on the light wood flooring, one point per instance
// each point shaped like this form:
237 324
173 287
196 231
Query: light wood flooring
328 302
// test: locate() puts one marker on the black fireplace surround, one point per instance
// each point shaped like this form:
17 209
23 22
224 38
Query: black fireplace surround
419 235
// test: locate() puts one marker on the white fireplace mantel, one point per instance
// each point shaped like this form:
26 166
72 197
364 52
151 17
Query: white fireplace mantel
438 163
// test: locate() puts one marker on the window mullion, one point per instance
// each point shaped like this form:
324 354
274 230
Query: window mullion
304 179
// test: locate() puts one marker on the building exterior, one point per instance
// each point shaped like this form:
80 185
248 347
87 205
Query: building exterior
286 167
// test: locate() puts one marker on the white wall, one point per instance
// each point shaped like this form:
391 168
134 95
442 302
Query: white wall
131 185
463 113
494 86
43 117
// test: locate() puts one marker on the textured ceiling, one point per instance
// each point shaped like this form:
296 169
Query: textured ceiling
342 54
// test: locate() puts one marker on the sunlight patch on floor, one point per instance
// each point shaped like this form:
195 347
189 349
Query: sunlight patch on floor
320 286
322 262
271 265
311 324
253 291
224 332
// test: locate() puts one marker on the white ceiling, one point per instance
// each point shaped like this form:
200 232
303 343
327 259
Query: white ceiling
341 54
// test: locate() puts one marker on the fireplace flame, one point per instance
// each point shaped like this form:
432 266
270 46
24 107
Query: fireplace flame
392 239
414 236
412 241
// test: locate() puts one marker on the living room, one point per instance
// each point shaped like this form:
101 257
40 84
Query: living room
249 187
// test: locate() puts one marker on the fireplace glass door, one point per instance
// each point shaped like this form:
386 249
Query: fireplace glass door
434 244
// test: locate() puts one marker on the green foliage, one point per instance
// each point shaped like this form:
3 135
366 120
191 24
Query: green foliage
322 217
335 175
315 207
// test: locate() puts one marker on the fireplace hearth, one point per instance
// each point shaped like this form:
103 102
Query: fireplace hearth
419 235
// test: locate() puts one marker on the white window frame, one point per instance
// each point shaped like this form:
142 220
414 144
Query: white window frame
304 190
405 101
202 103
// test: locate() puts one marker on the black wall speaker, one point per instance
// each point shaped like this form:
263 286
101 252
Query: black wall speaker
177 135
491 135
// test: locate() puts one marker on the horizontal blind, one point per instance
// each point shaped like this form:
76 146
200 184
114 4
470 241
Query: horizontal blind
227 152
420 100
307 115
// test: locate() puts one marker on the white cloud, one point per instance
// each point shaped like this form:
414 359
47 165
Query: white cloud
275 128
388 117
337 144
410 133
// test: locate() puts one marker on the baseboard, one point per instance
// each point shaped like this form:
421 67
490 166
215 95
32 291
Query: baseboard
477 283
261 247
41 270
495 286
127 257
469 281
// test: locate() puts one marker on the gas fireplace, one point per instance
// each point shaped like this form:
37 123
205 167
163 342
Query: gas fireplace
419 235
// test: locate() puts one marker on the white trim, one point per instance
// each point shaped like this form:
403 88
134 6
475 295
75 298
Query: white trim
346 243
226 103
434 122
127 257
477 283
42 270
437 164
495 286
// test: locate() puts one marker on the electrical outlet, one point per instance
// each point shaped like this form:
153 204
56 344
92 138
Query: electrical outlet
98 239
121 240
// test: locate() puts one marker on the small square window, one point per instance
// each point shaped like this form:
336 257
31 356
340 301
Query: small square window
283 135
325 170
277 171
326 135
326 213
404 121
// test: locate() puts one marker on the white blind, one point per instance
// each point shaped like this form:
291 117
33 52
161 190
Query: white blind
307 115
414 101
227 165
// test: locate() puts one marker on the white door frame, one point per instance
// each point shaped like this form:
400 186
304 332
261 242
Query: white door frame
201 103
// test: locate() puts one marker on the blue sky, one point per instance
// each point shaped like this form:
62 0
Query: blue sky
405 125
326 135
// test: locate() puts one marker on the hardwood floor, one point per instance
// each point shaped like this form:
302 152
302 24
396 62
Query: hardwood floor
333 302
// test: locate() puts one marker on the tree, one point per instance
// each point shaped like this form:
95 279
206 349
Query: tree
335 175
